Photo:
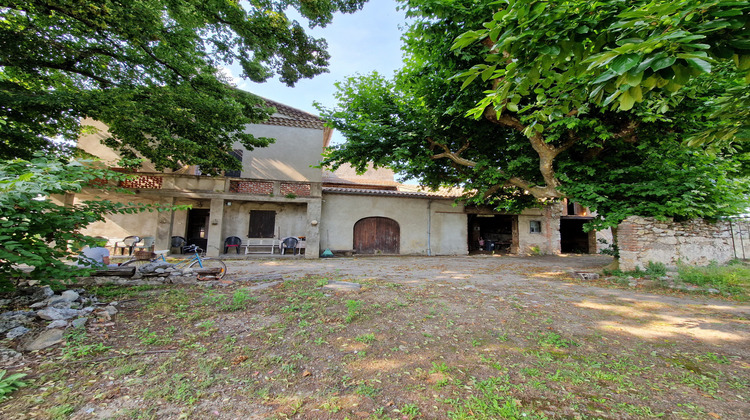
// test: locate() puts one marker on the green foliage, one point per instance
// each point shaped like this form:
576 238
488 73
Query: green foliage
10 383
656 269
368 338
732 279
36 228
524 102
352 310
75 346
148 69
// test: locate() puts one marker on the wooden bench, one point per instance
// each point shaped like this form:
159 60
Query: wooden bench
260 245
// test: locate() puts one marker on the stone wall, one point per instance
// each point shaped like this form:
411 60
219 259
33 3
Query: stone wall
695 242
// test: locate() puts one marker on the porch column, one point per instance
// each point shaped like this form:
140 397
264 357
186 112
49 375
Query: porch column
216 220
312 248
164 225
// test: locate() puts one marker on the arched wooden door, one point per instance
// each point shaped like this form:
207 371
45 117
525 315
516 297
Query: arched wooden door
377 235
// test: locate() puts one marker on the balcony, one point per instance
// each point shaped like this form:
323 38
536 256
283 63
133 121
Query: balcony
221 186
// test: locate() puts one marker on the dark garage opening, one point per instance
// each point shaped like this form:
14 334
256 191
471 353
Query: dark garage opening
573 240
491 233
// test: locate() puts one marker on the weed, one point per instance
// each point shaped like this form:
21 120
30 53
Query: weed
240 300
289 368
656 269
731 279
331 406
367 390
320 341
439 367
410 411
10 383
352 310
366 338
554 339
75 347
61 411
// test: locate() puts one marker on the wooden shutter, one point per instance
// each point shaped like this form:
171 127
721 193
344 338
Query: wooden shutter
262 224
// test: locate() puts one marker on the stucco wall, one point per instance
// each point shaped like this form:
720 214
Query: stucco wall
290 219
695 242
448 231
291 157
118 226
545 242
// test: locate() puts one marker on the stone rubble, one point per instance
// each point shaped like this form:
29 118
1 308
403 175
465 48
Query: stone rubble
50 315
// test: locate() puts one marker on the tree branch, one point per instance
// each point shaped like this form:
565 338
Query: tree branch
454 156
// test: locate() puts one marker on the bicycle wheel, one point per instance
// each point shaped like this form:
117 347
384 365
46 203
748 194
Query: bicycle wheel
210 263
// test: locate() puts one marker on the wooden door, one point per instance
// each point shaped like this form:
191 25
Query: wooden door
377 235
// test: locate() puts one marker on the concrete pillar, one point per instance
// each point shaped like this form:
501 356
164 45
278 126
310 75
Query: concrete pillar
69 200
164 225
216 221
312 249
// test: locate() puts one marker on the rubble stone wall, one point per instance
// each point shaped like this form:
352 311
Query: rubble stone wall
694 242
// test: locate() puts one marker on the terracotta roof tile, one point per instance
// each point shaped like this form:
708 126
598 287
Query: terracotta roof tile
391 193
293 117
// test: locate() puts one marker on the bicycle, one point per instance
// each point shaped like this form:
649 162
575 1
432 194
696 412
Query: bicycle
141 258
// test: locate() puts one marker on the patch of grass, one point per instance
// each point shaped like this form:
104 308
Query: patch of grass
368 338
10 383
367 391
75 346
240 300
352 310
410 411
61 412
120 291
554 339
731 279
439 367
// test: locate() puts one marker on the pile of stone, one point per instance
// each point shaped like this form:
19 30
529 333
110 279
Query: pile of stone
48 312
163 269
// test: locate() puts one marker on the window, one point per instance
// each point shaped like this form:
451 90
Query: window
262 224
535 226
237 154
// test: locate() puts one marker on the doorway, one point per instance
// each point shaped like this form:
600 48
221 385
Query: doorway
489 233
573 240
377 235
197 227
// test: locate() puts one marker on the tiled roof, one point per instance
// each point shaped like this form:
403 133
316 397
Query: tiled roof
392 193
292 117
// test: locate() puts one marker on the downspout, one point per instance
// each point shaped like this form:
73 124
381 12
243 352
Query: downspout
429 227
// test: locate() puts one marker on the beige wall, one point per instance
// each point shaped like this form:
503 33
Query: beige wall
118 226
448 224
290 158
545 242
290 219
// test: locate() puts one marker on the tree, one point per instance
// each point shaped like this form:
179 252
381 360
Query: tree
149 70
543 102
36 231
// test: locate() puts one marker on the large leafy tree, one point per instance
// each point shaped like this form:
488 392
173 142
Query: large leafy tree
148 69
527 101
43 234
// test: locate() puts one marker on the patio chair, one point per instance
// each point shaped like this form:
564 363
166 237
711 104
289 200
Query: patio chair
127 243
232 242
146 244
290 242
179 243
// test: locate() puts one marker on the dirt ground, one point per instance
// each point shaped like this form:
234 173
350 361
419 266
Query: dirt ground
438 337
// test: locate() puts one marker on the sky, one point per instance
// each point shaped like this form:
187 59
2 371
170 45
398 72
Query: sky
366 41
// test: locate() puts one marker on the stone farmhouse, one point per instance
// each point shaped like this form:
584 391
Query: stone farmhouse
280 192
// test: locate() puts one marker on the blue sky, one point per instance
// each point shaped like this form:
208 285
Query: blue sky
366 41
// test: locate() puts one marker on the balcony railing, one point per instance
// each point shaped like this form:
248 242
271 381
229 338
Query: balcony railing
197 183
